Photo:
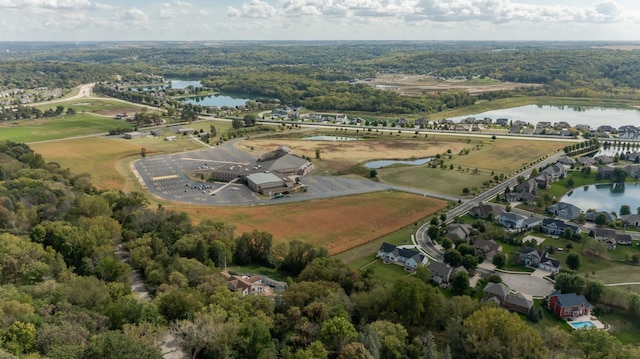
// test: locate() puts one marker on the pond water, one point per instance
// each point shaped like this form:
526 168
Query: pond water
183 84
217 100
605 197
386 163
329 138
574 115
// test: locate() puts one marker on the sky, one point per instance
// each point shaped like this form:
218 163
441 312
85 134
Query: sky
198 20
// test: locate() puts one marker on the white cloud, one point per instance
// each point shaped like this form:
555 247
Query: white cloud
53 4
253 9
175 9
132 16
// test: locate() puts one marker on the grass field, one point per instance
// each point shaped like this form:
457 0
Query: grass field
500 157
337 224
94 155
57 128
107 107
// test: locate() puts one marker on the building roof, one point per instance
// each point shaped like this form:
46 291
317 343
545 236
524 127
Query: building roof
439 268
284 163
498 289
530 250
263 178
486 246
559 224
484 209
551 262
519 299
570 299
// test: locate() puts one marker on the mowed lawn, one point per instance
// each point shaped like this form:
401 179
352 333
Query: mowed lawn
57 128
337 224
94 155
100 106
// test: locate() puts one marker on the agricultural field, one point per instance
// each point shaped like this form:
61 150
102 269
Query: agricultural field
51 129
337 224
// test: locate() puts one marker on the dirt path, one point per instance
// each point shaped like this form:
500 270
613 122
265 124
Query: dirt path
169 347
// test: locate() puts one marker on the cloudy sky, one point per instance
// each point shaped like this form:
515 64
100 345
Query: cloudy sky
82 20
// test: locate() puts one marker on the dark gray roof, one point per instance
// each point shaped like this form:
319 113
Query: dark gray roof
498 289
262 178
571 300
387 248
519 300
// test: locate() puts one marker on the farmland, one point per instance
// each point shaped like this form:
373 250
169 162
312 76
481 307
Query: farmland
337 224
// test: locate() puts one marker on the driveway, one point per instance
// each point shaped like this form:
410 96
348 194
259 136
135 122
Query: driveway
527 284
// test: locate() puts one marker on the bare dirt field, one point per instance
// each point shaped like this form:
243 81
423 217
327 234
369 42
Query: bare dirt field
417 84
340 155
337 224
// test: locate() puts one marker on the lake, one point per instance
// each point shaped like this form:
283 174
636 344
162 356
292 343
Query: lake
605 197
592 116
217 100
386 163
183 84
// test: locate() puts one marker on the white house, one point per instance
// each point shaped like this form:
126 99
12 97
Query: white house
408 258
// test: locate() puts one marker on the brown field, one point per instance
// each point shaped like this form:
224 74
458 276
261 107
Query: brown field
341 155
506 155
97 156
337 224
417 84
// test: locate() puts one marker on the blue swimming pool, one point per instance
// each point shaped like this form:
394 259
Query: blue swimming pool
582 325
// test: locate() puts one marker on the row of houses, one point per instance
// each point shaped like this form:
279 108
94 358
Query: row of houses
411 259
565 306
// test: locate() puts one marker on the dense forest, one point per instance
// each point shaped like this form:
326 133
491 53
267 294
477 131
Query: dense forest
67 252
565 69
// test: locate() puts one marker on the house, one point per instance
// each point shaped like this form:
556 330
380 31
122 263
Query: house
488 248
606 128
543 180
531 257
624 239
484 210
605 235
633 170
557 227
495 291
568 305
515 129
603 159
341 118
440 272
556 171
511 220
443 273
500 294
567 161
528 186
516 221
631 220
518 302
519 197
458 231
248 285
564 211
585 161
591 216
543 124
504 122
549 264
406 257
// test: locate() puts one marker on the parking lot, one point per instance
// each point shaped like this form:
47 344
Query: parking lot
166 177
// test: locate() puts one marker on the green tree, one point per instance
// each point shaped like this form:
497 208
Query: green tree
595 343
625 209
496 333
573 260
114 344
570 182
337 332
237 123
373 173
249 120
20 338
393 338
601 220
355 350
460 283
452 257
317 153
595 290
499 260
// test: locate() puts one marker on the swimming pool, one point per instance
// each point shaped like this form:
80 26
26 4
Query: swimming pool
582 325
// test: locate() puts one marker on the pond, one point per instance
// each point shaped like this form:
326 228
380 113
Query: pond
329 138
183 84
574 115
386 163
217 100
605 197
